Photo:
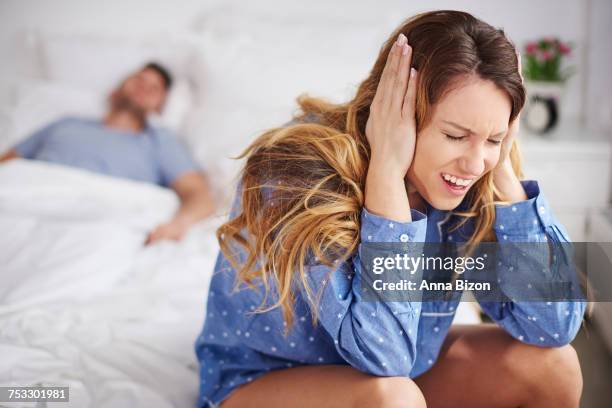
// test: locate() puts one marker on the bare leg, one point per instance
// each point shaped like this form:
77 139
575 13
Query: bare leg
482 366
326 386
478 366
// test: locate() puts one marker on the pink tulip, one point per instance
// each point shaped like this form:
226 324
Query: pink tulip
547 55
564 49
531 48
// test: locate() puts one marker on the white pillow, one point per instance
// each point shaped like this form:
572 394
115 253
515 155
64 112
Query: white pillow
264 64
6 129
93 60
256 66
179 102
39 103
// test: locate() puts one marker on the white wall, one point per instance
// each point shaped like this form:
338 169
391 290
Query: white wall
580 21
17 17
599 68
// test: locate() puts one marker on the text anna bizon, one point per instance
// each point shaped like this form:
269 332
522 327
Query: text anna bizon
406 285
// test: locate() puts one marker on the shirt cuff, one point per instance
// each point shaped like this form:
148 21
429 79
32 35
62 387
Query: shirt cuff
375 228
525 217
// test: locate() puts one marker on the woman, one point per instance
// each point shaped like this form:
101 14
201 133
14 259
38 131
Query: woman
285 325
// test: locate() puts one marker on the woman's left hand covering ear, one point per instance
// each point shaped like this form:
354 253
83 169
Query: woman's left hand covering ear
504 154
513 128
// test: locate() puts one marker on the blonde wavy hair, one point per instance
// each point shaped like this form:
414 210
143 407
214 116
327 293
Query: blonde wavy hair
303 184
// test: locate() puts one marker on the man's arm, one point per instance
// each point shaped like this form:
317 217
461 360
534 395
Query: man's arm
31 145
11 154
197 203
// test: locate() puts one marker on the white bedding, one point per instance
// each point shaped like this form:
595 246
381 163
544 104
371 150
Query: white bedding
83 303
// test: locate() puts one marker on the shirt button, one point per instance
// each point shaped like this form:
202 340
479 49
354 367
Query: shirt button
404 238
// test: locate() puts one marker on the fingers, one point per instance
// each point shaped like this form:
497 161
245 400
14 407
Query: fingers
514 126
397 90
510 137
395 72
387 78
401 79
409 105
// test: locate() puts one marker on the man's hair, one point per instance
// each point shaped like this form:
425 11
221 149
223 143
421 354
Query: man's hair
161 71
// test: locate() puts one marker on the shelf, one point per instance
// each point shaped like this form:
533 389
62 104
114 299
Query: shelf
570 141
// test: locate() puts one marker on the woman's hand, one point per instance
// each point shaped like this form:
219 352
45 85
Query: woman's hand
391 127
504 153
504 156
504 177
391 133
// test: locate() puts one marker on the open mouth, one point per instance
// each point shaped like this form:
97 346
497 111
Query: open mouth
456 184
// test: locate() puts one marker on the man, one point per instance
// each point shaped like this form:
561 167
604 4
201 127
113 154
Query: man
122 144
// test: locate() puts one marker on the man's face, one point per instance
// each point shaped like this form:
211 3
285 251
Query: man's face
144 90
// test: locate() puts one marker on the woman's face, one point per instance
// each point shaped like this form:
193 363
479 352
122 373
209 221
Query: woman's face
462 142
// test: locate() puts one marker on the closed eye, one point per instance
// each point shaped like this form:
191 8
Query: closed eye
454 138
458 138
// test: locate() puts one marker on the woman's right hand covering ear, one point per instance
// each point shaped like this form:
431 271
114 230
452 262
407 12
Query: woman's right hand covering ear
391 127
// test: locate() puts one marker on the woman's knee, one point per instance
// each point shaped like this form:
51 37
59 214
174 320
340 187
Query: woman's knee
391 392
550 372
563 367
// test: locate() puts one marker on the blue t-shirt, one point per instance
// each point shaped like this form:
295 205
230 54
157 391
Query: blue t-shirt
153 155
